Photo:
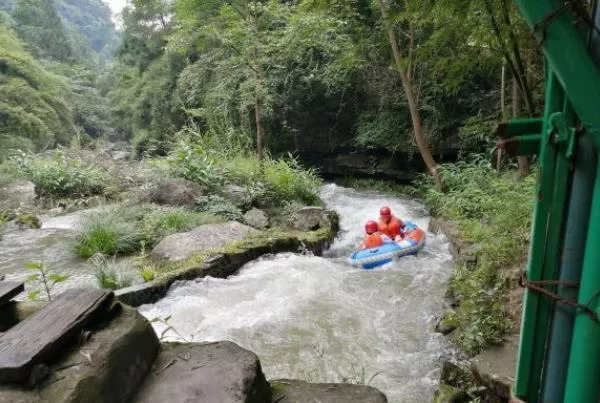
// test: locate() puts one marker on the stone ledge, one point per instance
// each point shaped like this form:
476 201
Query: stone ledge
218 372
222 265
296 391
106 368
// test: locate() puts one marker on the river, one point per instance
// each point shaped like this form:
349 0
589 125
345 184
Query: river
322 320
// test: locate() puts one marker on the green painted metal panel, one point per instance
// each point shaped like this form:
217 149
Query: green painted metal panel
584 361
574 68
529 360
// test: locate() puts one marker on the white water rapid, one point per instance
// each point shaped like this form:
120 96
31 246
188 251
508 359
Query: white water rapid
322 320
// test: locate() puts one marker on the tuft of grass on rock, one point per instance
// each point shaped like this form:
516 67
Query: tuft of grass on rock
111 274
109 232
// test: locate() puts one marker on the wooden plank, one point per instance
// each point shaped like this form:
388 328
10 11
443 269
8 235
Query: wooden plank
9 290
39 337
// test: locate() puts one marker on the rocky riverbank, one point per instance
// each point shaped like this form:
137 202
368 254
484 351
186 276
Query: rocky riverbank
489 374
121 359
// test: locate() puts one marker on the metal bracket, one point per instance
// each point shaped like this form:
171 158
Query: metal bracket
561 135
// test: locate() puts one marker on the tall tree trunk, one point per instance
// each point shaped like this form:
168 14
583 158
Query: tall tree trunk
260 132
503 111
407 85
516 69
514 43
522 160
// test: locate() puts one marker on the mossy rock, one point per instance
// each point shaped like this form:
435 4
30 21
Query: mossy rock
450 394
447 323
28 221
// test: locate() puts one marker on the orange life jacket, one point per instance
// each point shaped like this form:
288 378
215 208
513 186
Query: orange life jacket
392 228
373 240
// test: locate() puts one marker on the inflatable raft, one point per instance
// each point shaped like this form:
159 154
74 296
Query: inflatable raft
413 242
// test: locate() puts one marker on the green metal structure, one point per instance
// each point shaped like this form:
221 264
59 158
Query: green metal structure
559 351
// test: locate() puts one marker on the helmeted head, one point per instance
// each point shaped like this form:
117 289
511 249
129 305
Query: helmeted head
370 227
385 214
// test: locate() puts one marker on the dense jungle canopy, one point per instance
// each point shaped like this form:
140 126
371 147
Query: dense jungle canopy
303 74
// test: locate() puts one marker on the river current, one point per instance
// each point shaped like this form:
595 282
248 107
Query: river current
322 320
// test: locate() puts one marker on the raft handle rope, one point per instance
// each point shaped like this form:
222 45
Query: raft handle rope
539 286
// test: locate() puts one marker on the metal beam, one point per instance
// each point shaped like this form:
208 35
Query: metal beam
567 53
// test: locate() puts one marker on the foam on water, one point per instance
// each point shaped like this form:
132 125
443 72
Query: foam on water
322 320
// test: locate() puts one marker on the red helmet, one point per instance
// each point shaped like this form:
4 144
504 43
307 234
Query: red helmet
370 227
385 211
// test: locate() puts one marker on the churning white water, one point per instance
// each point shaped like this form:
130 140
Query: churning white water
322 320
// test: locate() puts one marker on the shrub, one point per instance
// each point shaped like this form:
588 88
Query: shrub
109 232
219 206
111 274
290 182
192 163
60 176
279 180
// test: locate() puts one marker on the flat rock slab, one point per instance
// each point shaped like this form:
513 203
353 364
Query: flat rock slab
206 237
107 368
9 290
295 391
220 372
41 336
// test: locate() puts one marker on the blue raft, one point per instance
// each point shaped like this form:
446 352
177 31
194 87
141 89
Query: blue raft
413 242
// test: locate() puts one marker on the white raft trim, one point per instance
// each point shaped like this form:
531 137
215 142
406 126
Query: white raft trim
410 248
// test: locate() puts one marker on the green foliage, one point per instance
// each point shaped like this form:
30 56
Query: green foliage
493 211
31 104
219 206
289 181
44 279
41 27
110 233
147 273
61 176
125 229
48 72
191 162
92 18
111 274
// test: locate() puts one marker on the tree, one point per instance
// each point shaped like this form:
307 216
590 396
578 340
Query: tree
404 64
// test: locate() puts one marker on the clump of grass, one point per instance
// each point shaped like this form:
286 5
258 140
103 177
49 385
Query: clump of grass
493 212
147 273
110 232
109 273
123 229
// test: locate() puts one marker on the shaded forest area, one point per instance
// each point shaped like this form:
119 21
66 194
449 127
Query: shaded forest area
295 75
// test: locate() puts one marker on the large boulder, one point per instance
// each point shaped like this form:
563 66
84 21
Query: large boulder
220 372
310 219
108 367
174 192
294 391
206 237
256 218
17 194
